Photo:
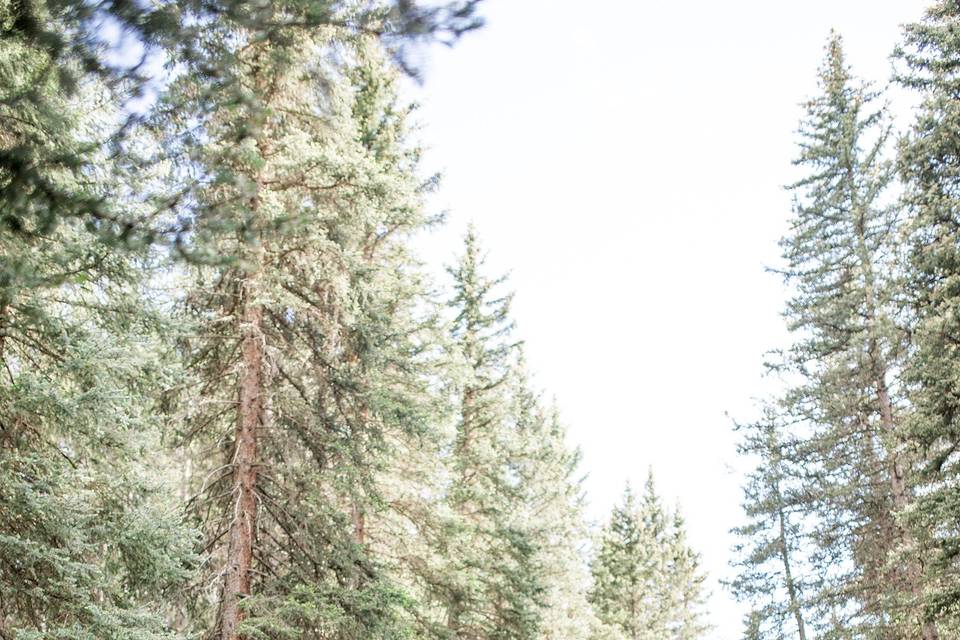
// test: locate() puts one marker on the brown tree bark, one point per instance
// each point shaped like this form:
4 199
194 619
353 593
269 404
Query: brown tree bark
242 533
899 492
359 523
3 328
901 496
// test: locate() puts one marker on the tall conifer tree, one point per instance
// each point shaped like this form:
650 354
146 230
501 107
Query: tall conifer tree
848 405
929 62
491 588
549 510
771 578
308 352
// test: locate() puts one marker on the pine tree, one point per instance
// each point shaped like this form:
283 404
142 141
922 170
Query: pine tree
646 580
490 588
848 353
930 170
308 345
768 556
90 543
550 511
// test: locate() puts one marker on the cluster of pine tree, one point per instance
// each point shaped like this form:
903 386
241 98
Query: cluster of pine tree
853 507
231 403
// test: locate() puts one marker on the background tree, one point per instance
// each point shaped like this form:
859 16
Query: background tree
550 511
491 586
770 572
646 580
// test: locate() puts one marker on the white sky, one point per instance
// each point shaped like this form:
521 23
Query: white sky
624 159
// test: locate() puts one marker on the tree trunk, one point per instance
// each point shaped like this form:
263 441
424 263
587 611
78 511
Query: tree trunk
901 497
3 328
251 413
359 523
899 491
787 572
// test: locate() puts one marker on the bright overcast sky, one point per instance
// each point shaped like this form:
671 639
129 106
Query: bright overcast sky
624 160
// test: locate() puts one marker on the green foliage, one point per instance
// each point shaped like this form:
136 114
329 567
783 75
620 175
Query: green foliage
229 404
491 588
322 207
323 609
548 510
88 538
772 577
50 49
930 170
840 468
646 580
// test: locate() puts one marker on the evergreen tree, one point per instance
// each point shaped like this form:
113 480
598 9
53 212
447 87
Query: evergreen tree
308 346
491 587
91 546
646 580
930 168
847 405
688 620
550 511
768 556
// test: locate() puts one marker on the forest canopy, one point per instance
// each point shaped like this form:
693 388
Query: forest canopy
236 404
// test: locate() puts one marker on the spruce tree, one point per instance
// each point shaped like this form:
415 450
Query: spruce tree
928 163
771 577
646 580
847 404
502 555
91 543
688 621
490 588
307 347
549 510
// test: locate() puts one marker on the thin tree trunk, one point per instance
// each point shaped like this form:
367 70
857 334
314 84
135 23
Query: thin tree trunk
251 413
359 523
3 328
787 572
901 496
898 486
789 583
